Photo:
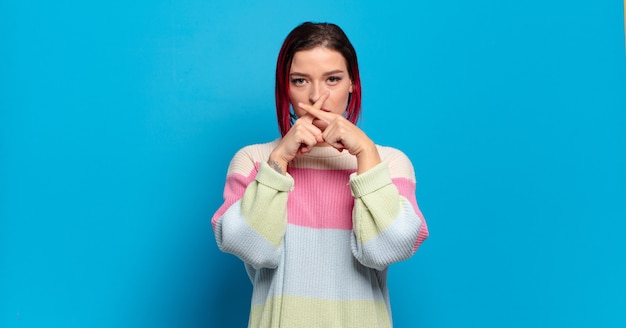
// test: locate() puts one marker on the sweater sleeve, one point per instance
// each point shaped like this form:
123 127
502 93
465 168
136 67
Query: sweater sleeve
252 221
387 226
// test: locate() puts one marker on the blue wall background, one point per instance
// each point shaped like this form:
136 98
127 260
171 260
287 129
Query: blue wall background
118 120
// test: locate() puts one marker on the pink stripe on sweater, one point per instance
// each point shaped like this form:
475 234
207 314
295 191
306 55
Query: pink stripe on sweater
321 200
332 208
233 191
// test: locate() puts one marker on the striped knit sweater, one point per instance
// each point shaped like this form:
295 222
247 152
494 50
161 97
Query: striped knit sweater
317 242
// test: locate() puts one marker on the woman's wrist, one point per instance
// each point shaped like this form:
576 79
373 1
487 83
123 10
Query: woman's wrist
367 158
277 163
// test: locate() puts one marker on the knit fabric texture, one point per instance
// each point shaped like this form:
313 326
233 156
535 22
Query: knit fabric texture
317 241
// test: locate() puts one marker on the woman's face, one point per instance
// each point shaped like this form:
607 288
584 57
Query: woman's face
316 71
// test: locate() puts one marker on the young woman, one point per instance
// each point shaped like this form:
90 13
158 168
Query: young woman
318 215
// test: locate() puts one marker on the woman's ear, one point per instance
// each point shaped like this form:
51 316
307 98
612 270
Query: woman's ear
350 87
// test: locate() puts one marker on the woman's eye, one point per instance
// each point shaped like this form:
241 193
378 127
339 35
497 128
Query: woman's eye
298 81
334 79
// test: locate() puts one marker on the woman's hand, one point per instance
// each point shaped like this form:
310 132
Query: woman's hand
299 140
342 134
318 126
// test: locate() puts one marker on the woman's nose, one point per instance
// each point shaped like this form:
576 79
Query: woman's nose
316 93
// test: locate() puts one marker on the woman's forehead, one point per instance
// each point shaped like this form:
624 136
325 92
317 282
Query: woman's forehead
318 58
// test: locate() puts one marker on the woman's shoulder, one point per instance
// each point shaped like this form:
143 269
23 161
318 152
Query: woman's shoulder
249 157
258 151
391 153
398 162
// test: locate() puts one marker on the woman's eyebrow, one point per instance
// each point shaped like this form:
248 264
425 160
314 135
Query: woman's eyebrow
337 71
299 74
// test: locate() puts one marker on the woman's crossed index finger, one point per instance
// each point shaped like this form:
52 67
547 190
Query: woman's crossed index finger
316 108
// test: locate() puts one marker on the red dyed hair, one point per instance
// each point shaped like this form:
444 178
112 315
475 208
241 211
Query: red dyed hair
305 37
